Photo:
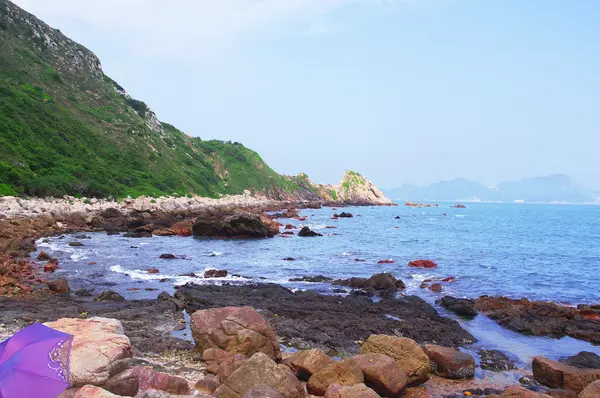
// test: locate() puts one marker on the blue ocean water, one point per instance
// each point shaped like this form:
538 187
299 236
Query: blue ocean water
538 251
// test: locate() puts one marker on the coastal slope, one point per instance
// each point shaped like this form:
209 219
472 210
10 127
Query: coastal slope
68 129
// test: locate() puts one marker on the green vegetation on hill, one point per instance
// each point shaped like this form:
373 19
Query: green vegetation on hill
66 128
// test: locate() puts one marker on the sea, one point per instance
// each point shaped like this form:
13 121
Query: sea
544 252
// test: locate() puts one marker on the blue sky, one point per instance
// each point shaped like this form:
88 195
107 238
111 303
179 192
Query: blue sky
401 91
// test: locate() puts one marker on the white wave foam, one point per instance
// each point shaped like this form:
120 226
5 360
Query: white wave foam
213 254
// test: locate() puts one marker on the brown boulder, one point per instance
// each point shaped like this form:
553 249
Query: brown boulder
356 391
59 286
260 370
207 385
125 383
150 379
521 392
591 391
422 264
407 352
215 273
153 271
238 330
51 265
382 373
450 363
43 256
559 375
435 287
240 224
344 373
306 363
561 393
222 363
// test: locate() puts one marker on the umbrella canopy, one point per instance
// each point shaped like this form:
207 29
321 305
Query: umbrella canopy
34 363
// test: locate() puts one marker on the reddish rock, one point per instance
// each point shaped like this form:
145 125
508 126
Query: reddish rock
330 227
152 271
301 218
290 226
164 232
306 363
560 375
149 379
51 265
560 393
59 286
182 228
215 273
390 261
591 391
207 385
344 373
422 264
134 289
435 287
43 256
382 373
222 363
521 392
449 279
287 233
238 330
92 263
450 363
356 391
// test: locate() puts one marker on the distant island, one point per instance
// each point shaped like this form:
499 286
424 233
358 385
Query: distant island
553 188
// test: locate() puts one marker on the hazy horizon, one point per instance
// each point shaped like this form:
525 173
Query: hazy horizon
413 91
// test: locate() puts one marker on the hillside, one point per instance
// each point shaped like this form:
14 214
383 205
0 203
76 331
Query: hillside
554 188
67 128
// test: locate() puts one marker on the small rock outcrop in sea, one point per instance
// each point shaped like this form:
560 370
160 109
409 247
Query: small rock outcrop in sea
422 264
240 224
307 232
460 306
312 279
215 273
459 206
343 215
377 282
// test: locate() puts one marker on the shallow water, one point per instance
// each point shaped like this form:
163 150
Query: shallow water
542 252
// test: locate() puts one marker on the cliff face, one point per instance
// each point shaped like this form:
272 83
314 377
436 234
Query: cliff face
354 189
68 129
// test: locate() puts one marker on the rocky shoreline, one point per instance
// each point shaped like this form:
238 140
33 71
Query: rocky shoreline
333 328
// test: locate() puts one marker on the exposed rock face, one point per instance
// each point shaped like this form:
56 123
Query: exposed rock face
356 391
307 362
407 352
382 373
150 379
343 373
240 224
539 318
236 330
353 189
460 306
222 363
559 375
450 363
98 350
591 391
260 370
59 286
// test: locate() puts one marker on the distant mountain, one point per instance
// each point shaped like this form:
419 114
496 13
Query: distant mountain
554 188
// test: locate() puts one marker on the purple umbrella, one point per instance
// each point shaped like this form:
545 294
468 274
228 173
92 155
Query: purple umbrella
34 363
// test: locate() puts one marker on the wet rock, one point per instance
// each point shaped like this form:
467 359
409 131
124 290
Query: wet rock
141 234
43 256
222 363
151 379
583 360
207 385
435 287
59 286
407 352
290 226
591 391
560 375
307 362
168 256
422 264
384 281
82 236
215 273
51 266
312 279
460 306
152 271
109 295
99 347
239 330
289 259
240 224
382 373
287 233
260 370
356 391
339 291
539 318
75 244
459 206
306 232
450 363
389 261
343 373
495 360
343 215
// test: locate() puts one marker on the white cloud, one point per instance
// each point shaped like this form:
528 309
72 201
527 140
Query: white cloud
165 28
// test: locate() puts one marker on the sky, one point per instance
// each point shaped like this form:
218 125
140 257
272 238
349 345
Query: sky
402 91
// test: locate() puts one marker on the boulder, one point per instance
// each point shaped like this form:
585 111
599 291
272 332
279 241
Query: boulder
495 360
450 363
591 391
306 363
153 271
43 256
343 215
583 360
382 373
125 383
306 232
238 330
76 244
215 273
59 286
355 391
260 370
407 352
51 265
460 306
560 375
521 392
435 287
89 391
207 385
150 379
344 373
422 264
98 350
240 224
168 256
263 392
290 226
222 363
383 281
